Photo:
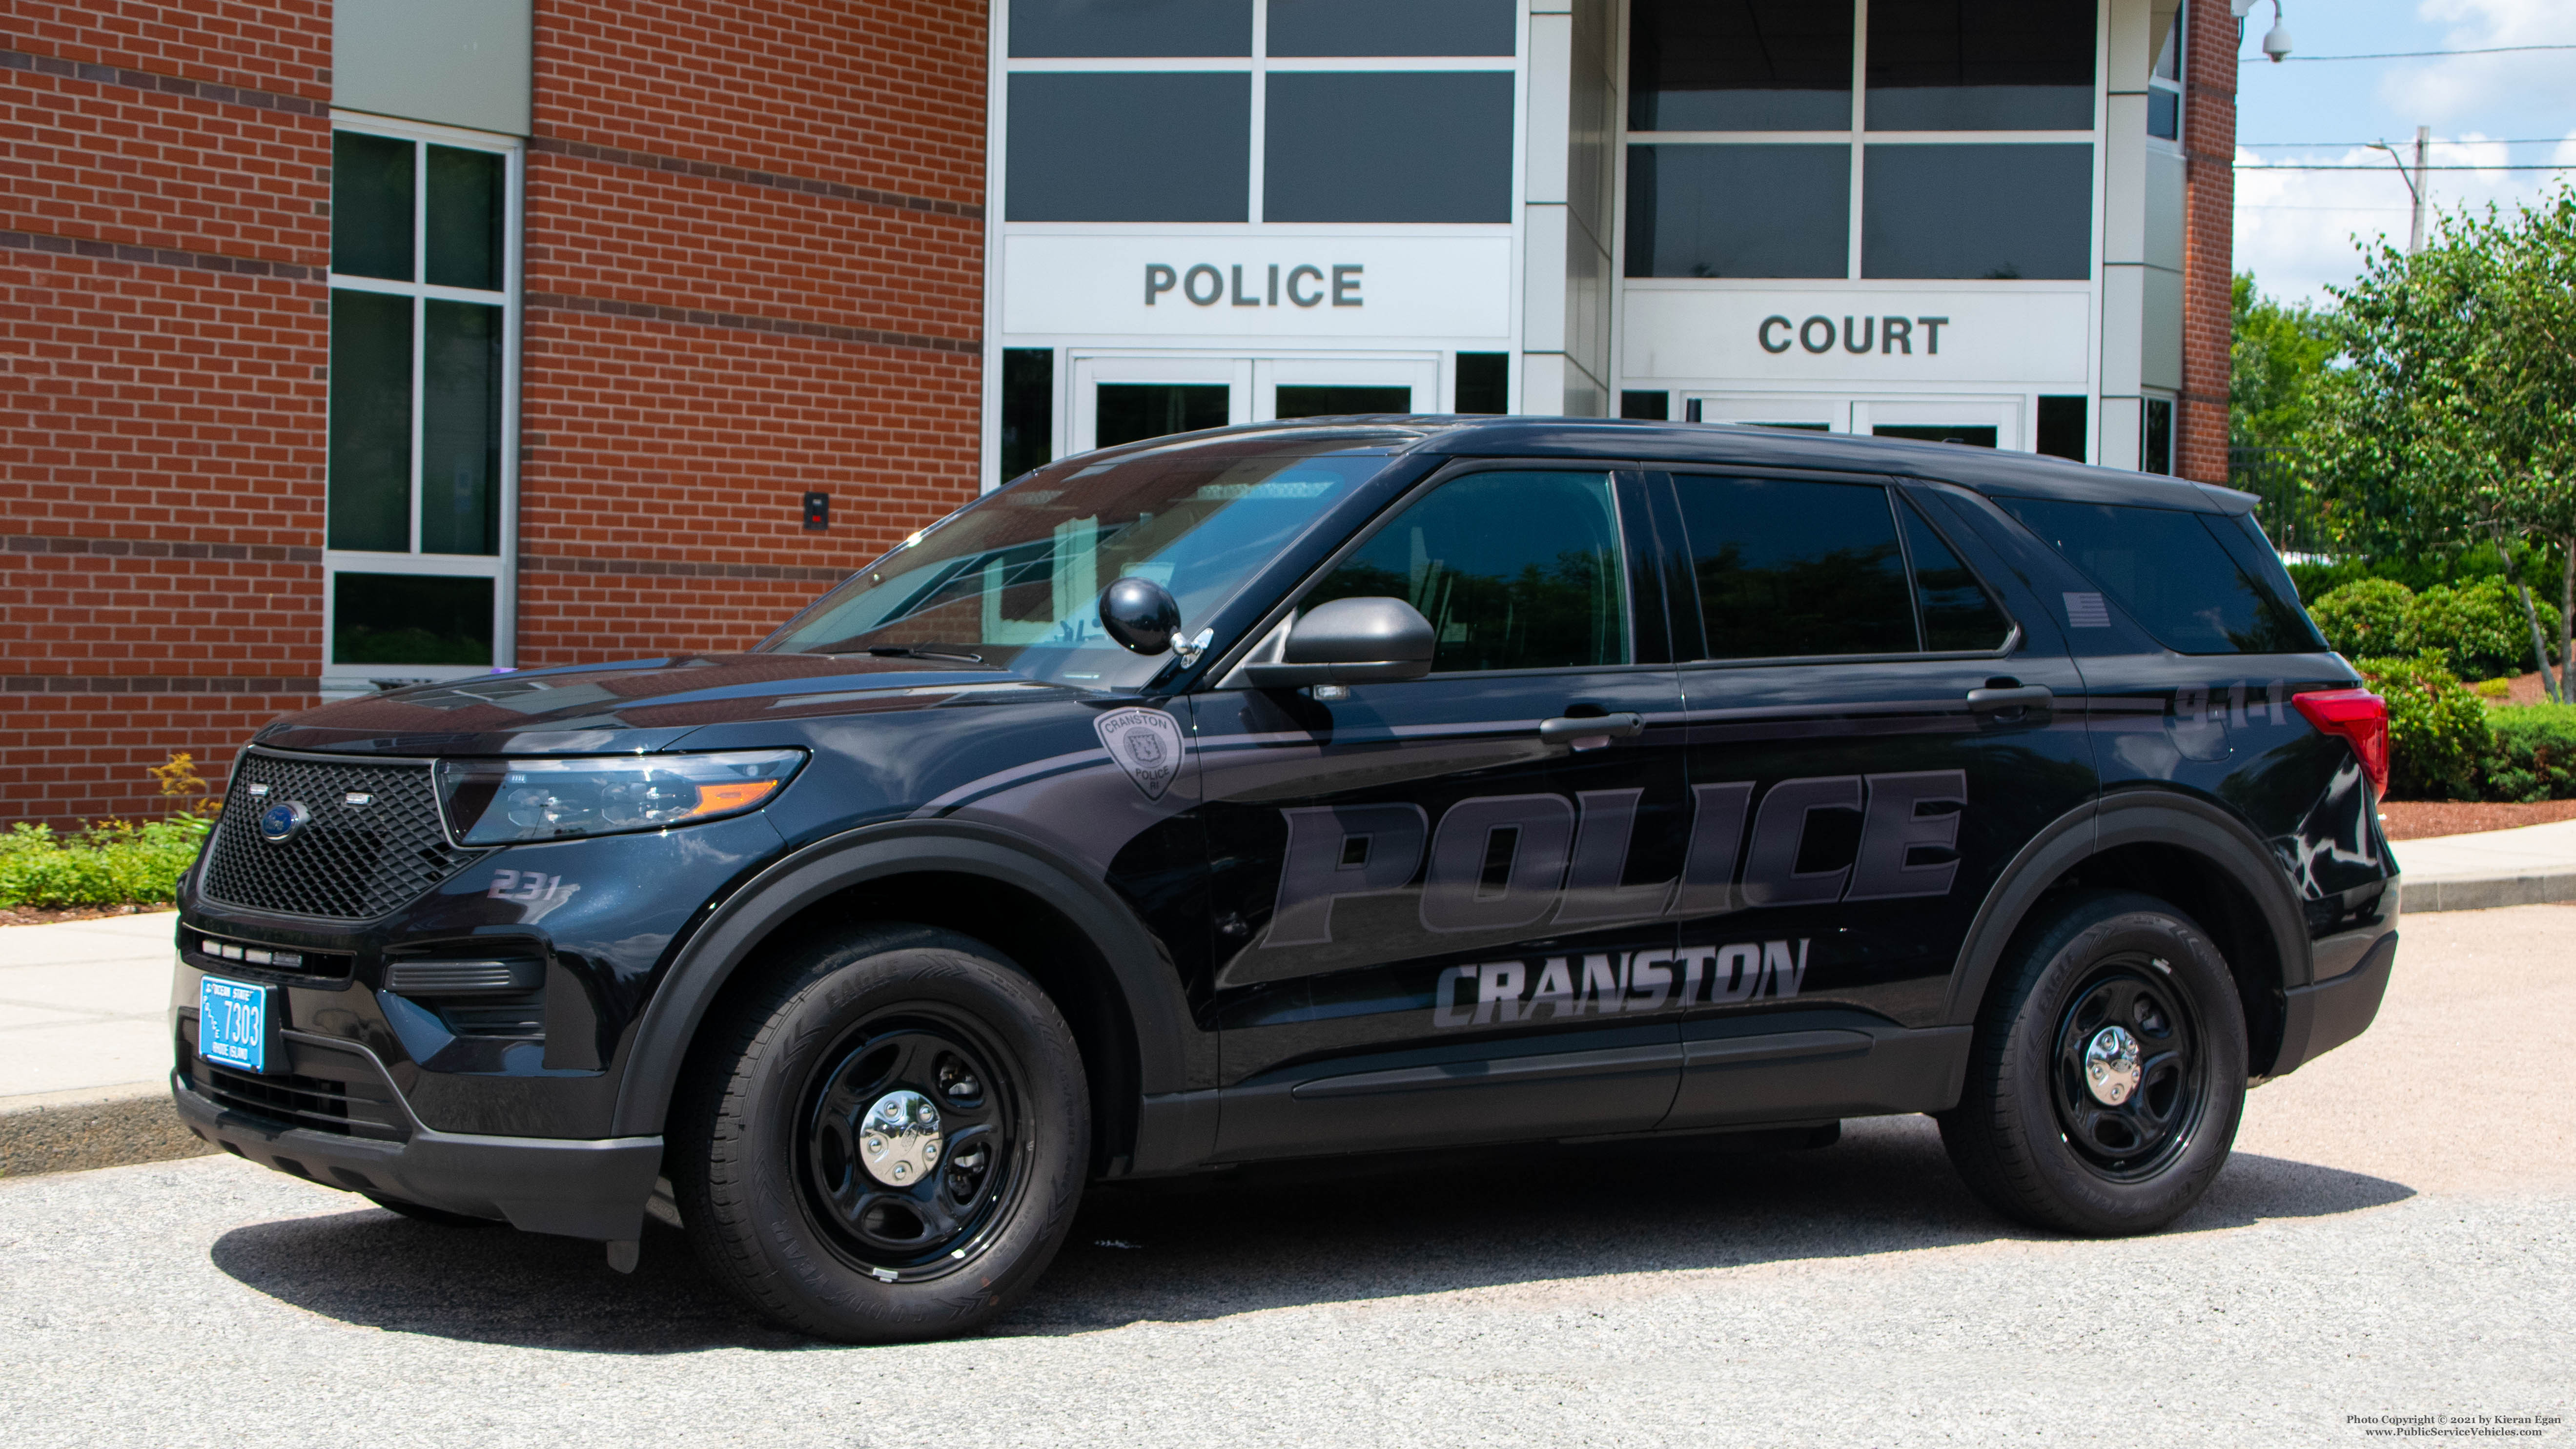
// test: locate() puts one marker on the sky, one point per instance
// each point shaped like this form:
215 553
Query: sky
2295 230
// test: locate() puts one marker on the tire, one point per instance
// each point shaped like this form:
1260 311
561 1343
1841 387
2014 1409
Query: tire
2046 1134
423 1213
886 1140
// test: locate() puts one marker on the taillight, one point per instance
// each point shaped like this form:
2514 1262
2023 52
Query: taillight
2359 716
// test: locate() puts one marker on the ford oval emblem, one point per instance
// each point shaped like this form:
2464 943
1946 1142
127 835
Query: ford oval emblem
279 824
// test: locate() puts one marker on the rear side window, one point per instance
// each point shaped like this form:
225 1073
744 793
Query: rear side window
1959 616
1793 569
2189 578
1515 570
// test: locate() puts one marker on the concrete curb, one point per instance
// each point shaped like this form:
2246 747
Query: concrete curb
95 1127
2487 892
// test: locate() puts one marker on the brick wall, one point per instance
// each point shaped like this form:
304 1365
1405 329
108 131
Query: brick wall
162 253
754 268
753 246
2209 243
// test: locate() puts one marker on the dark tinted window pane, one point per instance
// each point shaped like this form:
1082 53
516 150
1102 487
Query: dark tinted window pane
1484 382
1958 613
460 429
465 191
1789 569
2164 114
410 619
371 200
1739 65
1388 146
2061 427
1131 411
1373 27
1980 65
1335 402
1974 437
1514 571
1977 211
1130 147
2174 576
1739 211
1654 406
1028 409
370 483
2157 443
1131 27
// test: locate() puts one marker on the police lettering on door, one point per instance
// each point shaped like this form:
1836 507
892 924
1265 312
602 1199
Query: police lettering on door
1302 286
1566 859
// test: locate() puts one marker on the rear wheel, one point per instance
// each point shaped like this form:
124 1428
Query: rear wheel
887 1142
2108 1073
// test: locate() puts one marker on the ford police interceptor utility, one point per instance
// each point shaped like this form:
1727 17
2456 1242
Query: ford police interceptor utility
1303 789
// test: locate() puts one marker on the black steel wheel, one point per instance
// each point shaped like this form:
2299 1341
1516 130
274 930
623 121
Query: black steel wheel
912 1145
2107 1073
884 1139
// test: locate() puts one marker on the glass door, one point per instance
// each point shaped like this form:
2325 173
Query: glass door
1125 399
1979 422
1325 387
1801 412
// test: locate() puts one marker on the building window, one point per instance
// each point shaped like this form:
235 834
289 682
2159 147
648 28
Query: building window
2156 446
2164 83
1968 152
423 407
1028 409
2061 426
1166 111
1484 382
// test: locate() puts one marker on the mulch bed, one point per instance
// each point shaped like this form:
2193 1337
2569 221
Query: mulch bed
2421 819
32 916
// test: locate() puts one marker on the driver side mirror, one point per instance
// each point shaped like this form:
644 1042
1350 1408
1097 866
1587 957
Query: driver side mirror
1350 641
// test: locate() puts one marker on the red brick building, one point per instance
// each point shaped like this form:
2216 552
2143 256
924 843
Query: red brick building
399 339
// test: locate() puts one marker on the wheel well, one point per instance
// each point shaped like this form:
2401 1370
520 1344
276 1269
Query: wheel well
1028 932
2225 909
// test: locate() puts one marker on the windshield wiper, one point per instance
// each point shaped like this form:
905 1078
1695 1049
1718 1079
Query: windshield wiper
903 651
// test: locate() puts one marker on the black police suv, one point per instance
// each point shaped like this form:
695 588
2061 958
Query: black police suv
1290 790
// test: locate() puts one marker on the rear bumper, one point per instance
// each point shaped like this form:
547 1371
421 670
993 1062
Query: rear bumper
2319 1018
579 1189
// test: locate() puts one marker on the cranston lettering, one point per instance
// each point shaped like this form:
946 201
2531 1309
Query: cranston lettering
1890 336
1623 983
1305 285
1507 862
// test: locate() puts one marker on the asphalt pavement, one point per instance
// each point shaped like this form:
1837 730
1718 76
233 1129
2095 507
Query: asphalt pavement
2393 1237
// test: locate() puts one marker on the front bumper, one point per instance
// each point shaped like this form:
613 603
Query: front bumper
579 1189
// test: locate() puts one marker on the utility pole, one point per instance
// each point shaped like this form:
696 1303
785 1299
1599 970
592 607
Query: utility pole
2415 230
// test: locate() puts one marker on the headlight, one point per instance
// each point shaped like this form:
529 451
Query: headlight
494 802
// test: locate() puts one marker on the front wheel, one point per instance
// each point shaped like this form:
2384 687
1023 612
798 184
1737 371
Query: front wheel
2108 1072
886 1143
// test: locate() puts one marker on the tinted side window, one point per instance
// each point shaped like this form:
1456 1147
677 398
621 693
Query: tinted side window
1789 568
1958 613
1514 571
2175 576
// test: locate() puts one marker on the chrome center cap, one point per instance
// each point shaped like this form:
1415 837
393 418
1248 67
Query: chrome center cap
899 1139
2111 1066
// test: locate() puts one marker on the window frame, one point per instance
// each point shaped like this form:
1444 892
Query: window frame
1681 567
500 566
1859 138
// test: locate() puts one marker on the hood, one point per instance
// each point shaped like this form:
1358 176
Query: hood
646 704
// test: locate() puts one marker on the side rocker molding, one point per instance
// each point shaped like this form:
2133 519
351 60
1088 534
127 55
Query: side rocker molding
1152 995
2129 817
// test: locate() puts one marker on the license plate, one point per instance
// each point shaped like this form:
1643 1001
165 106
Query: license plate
234 1023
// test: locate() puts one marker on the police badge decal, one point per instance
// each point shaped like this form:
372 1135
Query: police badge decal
1146 743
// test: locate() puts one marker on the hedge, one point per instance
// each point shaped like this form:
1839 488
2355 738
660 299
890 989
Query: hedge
2439 741
2535 753
111 863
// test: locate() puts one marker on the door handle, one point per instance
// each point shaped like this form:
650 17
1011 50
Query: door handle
1995 701
1591 732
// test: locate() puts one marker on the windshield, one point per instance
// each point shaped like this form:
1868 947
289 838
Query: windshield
1015 579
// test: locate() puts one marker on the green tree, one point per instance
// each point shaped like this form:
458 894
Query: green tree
2276 356
2450 413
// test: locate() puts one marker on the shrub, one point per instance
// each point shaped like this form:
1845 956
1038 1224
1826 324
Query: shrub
2438 736
2480 627
2368 618
111 863
2535 753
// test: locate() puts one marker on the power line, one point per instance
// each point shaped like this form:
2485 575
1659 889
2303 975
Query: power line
2489 141
2410 54
2345 166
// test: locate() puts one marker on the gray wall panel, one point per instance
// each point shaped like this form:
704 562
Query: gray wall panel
456 62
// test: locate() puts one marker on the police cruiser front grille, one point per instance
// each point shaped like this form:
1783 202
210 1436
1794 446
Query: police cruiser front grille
374 843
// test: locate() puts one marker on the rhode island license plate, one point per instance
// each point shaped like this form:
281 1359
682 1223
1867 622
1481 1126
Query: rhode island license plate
234 1023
